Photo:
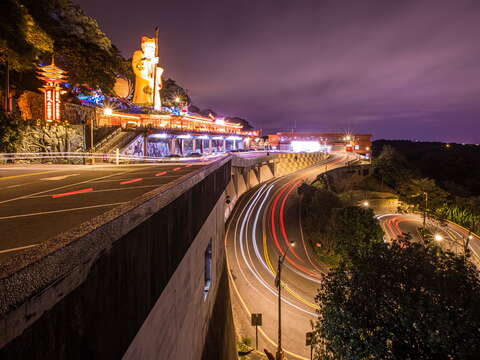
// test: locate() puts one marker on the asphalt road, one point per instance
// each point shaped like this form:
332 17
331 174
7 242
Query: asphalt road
264 221
38 202
452 234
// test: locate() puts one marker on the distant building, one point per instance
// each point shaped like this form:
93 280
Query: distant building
322 141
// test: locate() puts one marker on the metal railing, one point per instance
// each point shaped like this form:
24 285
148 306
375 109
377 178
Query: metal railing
86 157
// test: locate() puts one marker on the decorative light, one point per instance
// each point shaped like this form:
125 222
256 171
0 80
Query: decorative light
107 111
366 203
52 76
188 136
220 121
159 136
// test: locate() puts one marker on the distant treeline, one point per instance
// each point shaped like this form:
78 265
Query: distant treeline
454 167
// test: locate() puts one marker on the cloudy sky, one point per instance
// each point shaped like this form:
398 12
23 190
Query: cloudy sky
396 69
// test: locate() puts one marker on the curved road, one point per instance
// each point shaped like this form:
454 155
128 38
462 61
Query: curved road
261 226
452 234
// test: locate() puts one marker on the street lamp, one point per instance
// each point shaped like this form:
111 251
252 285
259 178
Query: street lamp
366 203
278 284
438 237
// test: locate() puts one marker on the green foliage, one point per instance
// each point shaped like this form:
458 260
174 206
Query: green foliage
33 30
22 41
460 216
400 301
413 192
317 208
10 131
455 168
170 91
391 167
354 230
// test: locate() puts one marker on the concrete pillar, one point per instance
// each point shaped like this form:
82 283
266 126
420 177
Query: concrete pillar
194 145
145 143
172 146
210 145
224 145
234 144
182 142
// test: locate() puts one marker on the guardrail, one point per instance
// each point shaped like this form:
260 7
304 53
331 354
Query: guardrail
101 157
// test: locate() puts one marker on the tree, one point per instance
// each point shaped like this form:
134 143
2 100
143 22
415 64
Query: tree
235 119
10 131
22 41
414 190
32 30
317 208
400 301
391 167
170 91
354 229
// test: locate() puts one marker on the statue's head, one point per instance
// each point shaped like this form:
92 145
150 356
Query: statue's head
148 47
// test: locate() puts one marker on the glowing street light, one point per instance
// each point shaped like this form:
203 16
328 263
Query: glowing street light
438 237
278 284
177 99
366 203
108 111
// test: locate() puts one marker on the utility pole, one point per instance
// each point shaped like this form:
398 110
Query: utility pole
278 283
425 210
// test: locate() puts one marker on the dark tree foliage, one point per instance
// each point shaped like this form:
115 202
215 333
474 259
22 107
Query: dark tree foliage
11 127
400 301
31 31
391 167
455 167
170 91
354 229
246 125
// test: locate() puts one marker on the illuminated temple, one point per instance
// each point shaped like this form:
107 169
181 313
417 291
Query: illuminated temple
169 131
179 134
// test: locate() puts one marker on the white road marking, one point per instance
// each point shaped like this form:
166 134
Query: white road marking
106 190
61 177
59 211
66 186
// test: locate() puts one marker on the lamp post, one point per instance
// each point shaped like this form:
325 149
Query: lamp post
278 283
425 210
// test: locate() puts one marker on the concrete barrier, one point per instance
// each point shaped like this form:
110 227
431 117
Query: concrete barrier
249 172
98 290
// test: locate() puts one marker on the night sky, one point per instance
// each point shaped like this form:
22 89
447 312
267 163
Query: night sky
397 69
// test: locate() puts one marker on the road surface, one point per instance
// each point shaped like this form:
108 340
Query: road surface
263 222
38 202
452 235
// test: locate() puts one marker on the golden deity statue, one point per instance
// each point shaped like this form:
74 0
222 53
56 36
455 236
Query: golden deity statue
144 63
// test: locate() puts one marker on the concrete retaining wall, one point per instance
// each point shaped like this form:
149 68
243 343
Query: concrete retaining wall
249 172
87 293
